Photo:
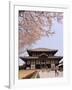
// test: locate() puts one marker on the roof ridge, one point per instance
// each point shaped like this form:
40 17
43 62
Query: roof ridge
37 49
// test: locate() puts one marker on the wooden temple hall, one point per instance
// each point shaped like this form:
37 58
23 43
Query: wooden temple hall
41 58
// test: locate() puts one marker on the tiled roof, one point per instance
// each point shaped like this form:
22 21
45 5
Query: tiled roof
28 57
50 57
56 57
41 49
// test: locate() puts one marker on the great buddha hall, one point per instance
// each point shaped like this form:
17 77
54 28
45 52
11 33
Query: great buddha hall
40 58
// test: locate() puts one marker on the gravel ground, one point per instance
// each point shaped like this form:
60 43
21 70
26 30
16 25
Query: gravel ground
40 73
47 74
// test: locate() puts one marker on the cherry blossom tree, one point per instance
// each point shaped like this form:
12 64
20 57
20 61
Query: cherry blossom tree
35 24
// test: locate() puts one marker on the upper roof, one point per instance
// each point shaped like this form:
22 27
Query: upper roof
35 58
42 49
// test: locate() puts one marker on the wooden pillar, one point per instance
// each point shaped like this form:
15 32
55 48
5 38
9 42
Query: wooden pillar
40 64
35 64
26 64
45 64
30 64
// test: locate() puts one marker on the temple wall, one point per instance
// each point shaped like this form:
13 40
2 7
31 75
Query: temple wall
32 64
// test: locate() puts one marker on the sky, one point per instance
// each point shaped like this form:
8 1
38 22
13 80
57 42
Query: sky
52 42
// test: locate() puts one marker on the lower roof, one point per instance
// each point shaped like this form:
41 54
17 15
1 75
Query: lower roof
36 58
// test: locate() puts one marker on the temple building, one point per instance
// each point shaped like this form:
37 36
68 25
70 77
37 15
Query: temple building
60 66
40 58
